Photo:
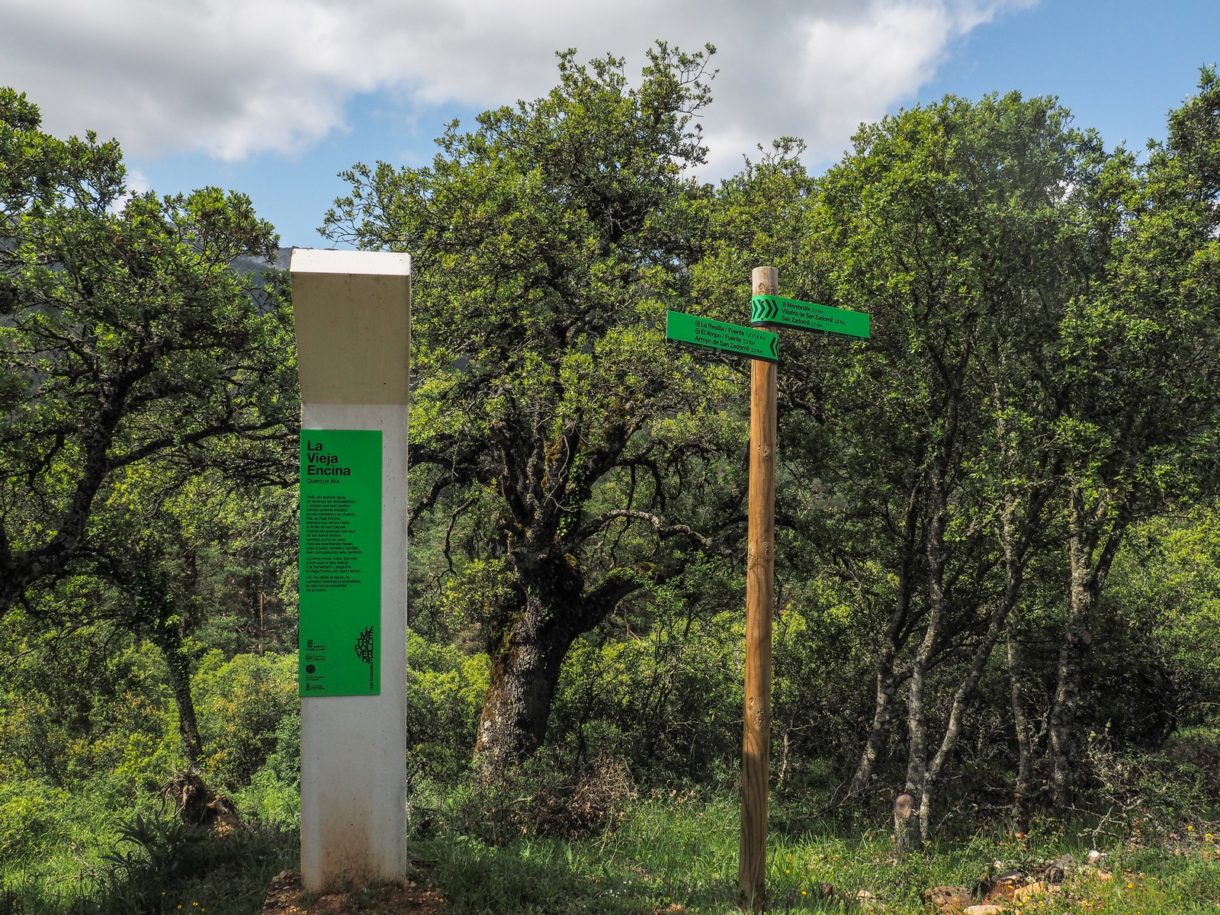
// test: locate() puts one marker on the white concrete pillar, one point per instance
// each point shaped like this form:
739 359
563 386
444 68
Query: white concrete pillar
352 312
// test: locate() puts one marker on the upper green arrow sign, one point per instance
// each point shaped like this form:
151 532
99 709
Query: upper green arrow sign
773 309
719 335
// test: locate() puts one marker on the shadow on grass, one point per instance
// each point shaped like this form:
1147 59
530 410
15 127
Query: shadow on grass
170 869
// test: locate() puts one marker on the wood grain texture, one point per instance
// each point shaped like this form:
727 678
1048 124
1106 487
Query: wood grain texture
760 605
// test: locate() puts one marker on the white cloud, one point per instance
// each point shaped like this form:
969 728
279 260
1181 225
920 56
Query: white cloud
137 183
236 77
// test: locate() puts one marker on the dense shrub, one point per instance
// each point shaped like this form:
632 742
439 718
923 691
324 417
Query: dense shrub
1165 589
541 798
667 700
445 690
88 704
273 796
241 704
29 815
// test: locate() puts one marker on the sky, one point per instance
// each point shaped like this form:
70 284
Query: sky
275 97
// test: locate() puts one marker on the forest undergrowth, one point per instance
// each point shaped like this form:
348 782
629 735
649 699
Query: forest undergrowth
541 842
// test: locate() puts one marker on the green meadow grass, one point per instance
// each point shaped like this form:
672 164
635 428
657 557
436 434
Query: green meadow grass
665 856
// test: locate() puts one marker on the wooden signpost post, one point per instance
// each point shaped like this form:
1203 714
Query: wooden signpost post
760 606
768 309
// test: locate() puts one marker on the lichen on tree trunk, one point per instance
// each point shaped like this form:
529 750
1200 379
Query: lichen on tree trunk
527 658
909 828
895 635
1022 800
1071 657
524 674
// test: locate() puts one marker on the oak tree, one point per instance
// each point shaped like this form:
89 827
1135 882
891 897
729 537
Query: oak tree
133 356
547 243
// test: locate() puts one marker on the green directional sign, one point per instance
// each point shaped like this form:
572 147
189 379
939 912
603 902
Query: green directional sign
774 309
707 333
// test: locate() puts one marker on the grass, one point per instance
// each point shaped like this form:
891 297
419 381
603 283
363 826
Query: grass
684 858
670 854
220 875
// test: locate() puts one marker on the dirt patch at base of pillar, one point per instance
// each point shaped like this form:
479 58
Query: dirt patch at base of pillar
286 897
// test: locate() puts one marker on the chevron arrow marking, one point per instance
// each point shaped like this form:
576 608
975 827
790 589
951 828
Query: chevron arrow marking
774 309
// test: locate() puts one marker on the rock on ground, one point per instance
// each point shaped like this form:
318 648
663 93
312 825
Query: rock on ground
948 900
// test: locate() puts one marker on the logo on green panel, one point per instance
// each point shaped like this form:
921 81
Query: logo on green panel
364 646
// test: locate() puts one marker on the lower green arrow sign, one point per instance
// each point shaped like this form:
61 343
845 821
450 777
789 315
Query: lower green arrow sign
720 335
774 309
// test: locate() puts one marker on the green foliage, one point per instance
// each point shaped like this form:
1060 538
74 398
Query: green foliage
150 854
1042 373
86 703
273 797
284 763
160 865
1167 581
125 319
681 851
28 814
239 544
103 859
540 798
445 690
555 233
820 660
666 698
242 704
271 800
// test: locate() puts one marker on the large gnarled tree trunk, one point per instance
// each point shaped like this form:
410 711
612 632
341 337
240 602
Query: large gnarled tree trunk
525 671
528 656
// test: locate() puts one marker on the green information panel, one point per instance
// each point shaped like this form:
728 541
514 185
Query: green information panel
340 570
720 335
773 309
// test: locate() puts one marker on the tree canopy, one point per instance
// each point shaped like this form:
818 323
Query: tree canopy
548 242
127 339
996 518
134 358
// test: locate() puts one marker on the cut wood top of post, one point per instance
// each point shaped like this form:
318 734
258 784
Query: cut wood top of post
765 280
